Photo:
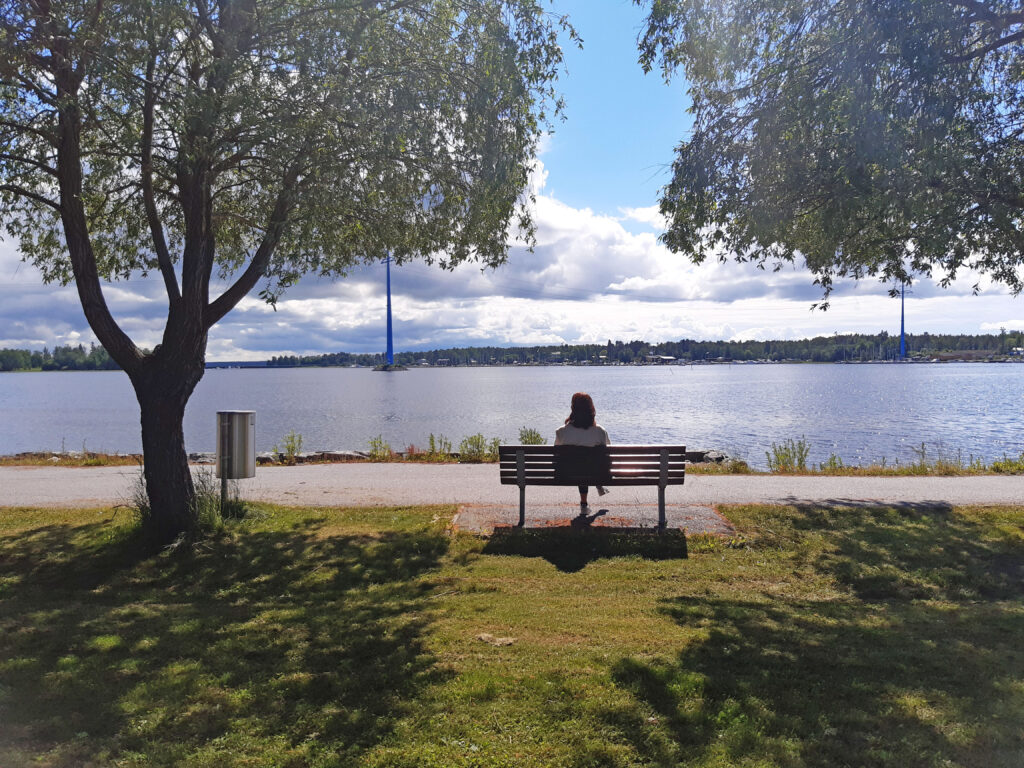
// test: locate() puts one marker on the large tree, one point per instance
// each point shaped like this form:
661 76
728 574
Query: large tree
252 141
869 137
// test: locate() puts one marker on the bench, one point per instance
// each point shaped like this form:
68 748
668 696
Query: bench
660 465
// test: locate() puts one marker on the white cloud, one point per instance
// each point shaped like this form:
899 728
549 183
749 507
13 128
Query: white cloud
650 215
997 326
588 279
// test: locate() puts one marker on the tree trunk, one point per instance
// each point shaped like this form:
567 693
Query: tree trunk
163 391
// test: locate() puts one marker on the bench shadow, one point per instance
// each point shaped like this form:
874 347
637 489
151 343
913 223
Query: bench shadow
319 639
572 547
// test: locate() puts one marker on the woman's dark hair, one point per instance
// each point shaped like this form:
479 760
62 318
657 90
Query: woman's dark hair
583 411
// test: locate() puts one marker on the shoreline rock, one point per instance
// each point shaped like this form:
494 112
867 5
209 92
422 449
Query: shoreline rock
306 457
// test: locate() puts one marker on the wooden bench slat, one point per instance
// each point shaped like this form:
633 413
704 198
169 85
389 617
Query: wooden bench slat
616 465
621 450
512 475
622 482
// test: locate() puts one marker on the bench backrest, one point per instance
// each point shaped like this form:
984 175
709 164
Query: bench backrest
603 465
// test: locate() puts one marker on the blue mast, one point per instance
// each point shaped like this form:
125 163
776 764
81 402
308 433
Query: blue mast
903 338
391 349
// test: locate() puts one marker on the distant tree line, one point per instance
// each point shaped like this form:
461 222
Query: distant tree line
821 349
67 358
324 361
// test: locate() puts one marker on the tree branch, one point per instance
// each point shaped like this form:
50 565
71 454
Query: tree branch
82 66
258 266
981 11
44 96
22 192
978 53
156 229
22 127
75 222
29 161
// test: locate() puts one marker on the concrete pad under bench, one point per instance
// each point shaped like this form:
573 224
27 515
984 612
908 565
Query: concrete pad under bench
693 518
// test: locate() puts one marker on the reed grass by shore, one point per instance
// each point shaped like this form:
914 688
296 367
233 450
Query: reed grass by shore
781 460
71 459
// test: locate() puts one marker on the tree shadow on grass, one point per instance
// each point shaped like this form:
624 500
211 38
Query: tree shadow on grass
572 548
912 551
81 556
274 648
882 677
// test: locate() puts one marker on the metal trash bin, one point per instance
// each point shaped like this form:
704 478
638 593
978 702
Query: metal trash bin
236 444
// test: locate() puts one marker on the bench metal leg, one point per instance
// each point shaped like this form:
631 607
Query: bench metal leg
662 482
521 479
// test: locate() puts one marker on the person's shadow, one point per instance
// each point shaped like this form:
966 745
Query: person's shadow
583 520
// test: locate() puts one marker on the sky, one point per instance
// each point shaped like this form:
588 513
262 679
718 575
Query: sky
597 271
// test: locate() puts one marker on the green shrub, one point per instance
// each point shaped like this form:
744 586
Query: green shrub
943 463
209 510
440 447
728 467
380 449
292 447
1008 466
738 467
529 436
207 501
832 464
477 448
473 448
791 456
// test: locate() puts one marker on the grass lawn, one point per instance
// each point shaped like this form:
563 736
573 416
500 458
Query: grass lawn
819 636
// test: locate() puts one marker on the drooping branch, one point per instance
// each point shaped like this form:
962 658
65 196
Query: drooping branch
261 259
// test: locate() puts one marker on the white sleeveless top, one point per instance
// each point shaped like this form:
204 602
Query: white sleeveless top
571 435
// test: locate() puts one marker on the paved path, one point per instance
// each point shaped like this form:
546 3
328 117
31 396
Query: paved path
396 484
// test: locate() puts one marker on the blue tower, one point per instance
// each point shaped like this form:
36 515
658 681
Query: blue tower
903 337
391 349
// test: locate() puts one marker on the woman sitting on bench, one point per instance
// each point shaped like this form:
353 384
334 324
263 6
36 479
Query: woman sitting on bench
581 429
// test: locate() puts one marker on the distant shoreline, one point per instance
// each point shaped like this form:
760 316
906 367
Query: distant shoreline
681 363
262 365
846 348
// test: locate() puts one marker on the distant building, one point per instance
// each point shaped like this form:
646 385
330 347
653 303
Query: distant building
659 359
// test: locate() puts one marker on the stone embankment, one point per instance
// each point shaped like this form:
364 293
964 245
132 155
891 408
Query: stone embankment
328 457
308 457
